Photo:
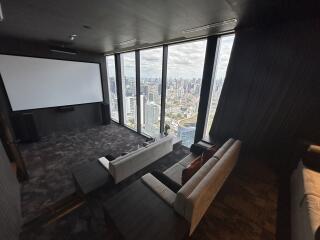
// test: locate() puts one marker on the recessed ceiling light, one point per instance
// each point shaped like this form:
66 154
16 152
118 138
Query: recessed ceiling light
213 25
73 36
1 14
127 42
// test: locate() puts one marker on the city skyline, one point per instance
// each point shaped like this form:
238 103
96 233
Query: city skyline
184 80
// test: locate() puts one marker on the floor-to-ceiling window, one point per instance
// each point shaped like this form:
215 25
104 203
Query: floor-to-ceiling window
150 90
184 77
128 73
112 85
223 52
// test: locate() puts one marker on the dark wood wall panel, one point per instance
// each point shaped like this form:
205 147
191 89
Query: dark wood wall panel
271 96
10 209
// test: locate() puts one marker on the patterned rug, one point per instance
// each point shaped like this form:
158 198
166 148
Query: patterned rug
88 221
49 162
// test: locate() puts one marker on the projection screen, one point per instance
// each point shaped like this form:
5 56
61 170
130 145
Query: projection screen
33 83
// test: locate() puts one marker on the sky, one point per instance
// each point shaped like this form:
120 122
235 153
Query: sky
185 60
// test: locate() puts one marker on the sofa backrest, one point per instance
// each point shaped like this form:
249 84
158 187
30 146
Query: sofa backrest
196 195
124 166
188 187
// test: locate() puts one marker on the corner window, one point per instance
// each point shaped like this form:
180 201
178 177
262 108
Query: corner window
150 90
223 52
184 78
112 85
128 73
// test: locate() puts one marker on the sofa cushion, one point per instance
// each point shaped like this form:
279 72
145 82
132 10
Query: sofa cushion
311 208
197 149
224 148
188 159
305 203
172 185
203 194
196 195
163 191
194 181
187 188
209 153
311 181
175 172
191 169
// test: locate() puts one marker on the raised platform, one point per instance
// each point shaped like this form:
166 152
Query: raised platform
138 213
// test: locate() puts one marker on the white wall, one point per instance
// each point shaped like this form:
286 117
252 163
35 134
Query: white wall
38 82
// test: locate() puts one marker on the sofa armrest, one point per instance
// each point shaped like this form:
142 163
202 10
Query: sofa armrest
314 149
104 162
159 188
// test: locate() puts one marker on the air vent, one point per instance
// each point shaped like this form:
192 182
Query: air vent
63 50
127 42
210 26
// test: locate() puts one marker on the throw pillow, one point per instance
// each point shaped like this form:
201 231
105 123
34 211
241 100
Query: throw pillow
197 148
175 187
209 153
191 169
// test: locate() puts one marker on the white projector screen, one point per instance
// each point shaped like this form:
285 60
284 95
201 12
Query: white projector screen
39 83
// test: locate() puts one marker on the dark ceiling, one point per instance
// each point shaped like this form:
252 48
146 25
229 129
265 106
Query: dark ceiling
102 24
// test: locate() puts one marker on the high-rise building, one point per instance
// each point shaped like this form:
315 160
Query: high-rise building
129 109
152 114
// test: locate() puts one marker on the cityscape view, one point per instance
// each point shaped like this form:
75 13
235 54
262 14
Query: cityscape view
185 68
184 78
112 85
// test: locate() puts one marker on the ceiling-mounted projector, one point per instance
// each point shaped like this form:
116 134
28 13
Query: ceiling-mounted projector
1 14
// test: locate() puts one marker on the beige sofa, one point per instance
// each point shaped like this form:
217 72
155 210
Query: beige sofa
305 203
124 166
196 195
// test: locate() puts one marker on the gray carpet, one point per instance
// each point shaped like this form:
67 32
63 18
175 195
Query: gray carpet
89 222
50 161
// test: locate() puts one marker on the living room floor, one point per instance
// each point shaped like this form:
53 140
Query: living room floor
245 207
50 162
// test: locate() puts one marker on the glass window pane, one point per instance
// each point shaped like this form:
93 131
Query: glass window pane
185 69
150 90
128 70
112 85
224 48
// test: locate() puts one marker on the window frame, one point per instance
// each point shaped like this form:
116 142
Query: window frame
123 89
202 78
214 72
108 82
202 119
